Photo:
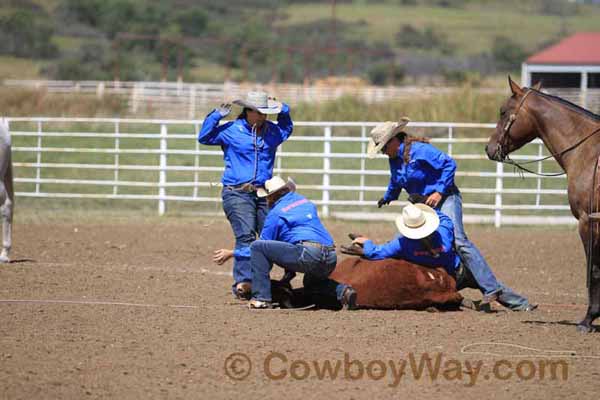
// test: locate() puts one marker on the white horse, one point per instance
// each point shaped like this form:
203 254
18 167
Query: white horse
7 195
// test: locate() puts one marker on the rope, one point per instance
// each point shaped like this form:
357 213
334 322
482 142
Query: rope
508 161
551 353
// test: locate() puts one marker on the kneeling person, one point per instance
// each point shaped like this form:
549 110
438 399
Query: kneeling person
427 238
294 238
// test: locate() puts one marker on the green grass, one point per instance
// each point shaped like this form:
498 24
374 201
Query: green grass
298 163
19 68
472 29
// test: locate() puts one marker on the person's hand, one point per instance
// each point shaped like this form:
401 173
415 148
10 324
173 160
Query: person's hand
224 109
382 202
360 240
222 255
434 199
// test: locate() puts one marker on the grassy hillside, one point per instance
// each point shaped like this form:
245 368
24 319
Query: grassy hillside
257 40
472 28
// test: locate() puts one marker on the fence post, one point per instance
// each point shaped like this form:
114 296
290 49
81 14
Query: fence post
363 134
117 145
450 137
326 168
162 174
38 158
196 163
192 104
498 203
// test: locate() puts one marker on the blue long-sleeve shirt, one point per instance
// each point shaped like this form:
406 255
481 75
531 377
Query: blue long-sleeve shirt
248 157
429 170
292 219
413 250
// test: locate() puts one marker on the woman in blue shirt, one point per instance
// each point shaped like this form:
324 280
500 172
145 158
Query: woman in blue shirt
427 173
249 144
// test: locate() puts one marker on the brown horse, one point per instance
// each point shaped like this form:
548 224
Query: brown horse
572 135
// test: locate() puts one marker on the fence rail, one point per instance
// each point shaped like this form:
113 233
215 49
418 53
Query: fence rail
191 100
161 161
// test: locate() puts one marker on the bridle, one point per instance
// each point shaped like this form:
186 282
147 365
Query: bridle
502 150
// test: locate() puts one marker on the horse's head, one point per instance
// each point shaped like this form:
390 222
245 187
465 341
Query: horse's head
515 126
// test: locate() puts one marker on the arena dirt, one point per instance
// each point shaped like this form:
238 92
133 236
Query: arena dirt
134 309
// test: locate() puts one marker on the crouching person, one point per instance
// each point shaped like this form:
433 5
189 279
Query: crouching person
427 238
294 238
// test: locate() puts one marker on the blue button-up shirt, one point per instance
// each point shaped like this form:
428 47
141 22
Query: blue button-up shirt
413 250
429 170
292 219
248 157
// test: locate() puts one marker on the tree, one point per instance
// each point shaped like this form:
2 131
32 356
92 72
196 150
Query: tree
507 54
27 34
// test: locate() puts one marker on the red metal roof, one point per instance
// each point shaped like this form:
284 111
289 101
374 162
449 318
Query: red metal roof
580 49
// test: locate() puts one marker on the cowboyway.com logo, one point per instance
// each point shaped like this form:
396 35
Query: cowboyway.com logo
433 367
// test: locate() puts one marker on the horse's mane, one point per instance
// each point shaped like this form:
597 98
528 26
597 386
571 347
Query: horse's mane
570 105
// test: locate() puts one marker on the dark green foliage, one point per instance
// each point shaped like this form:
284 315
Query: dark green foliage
27 33
507 54
427 39
386 74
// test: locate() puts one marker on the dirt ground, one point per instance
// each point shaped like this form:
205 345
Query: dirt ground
134 309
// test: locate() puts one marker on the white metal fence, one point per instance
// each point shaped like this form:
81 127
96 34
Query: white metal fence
161 161
192 100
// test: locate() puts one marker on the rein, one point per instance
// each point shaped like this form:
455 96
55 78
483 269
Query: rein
507 160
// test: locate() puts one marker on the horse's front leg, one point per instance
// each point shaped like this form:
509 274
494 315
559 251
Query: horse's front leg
593 311
7 216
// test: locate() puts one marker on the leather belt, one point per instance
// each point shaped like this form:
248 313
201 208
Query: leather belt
317 245
244 187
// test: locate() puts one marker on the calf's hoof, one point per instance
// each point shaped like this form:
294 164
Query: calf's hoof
4 259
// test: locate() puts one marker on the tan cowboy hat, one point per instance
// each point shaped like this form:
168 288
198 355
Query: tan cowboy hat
274 185
382 134
260 101
417 221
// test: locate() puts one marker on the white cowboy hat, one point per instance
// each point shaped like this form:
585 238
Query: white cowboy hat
417 221
260 101
274 185
382 134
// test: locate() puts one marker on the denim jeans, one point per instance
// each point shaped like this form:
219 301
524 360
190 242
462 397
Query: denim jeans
316 264
246 213
472 258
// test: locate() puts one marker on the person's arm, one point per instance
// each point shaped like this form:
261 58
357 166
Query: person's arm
393 190
393 248
284 123
210 133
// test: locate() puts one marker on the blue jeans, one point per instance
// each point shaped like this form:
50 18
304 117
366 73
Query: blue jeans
246 214
472 258
316 264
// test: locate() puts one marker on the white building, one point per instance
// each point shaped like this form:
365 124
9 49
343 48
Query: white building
569 69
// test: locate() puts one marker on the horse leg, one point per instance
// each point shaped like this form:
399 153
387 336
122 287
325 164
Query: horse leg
7 215
593 310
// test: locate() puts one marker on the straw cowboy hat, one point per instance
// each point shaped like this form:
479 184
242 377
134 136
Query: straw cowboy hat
260 101
417 221
274 185
382 134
